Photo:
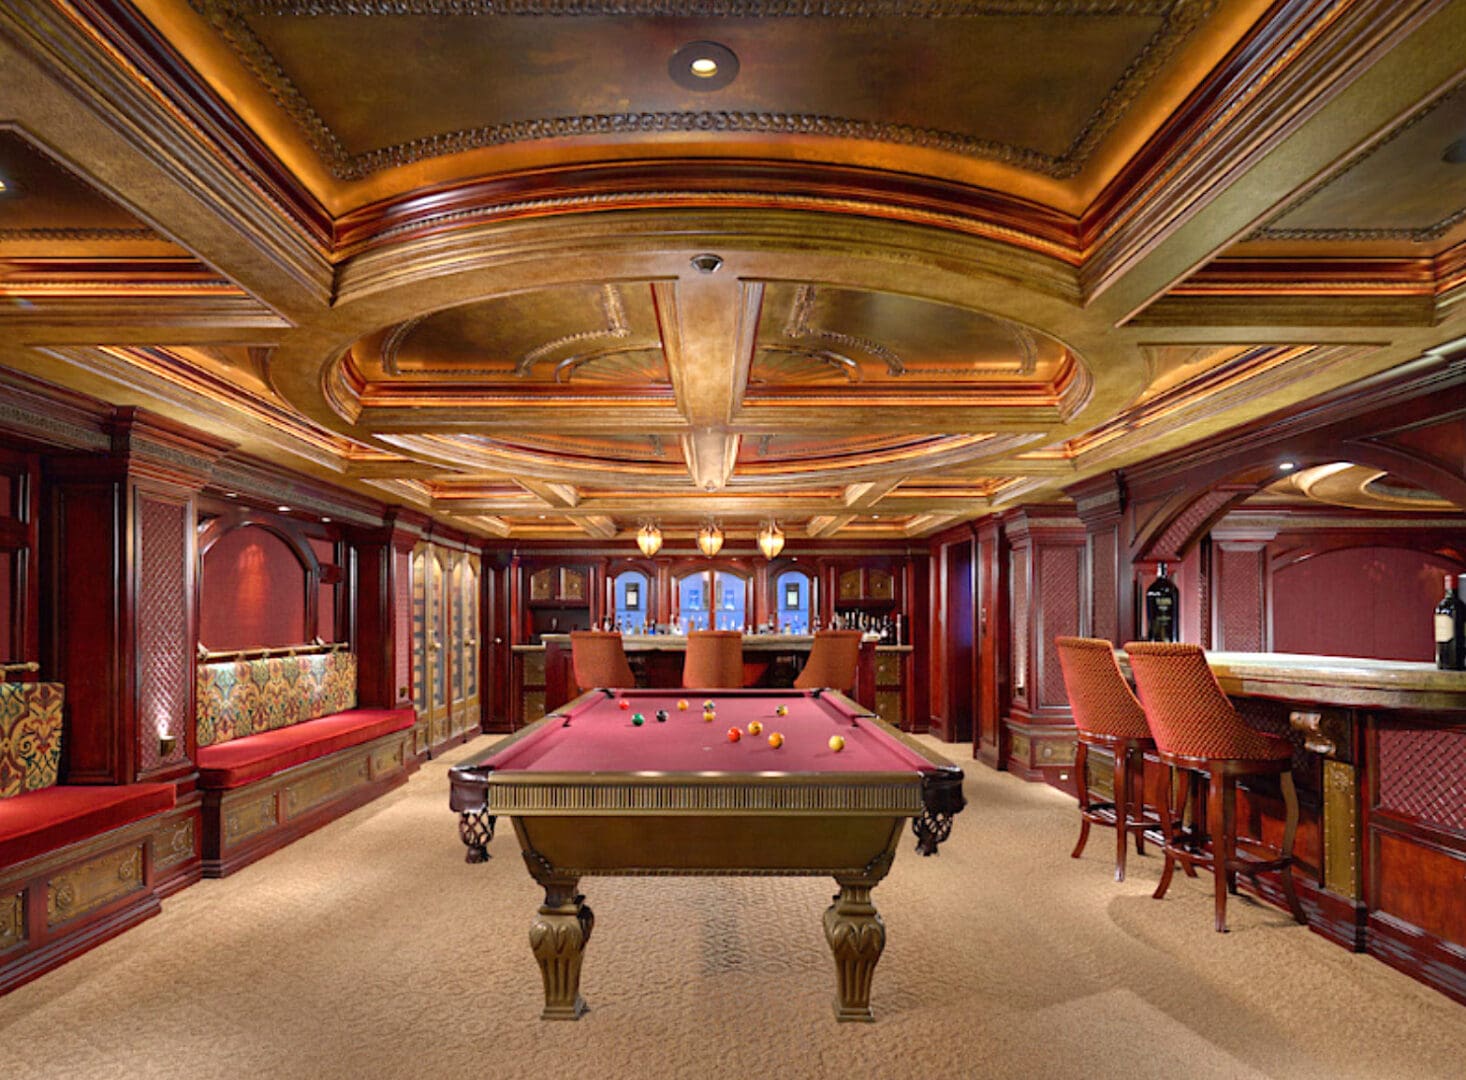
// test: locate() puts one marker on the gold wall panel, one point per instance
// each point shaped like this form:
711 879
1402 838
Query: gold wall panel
1100 775
250 819
572 584
881 585
1341 828
174 844
888 707
534 669
387 759
1056 752
542 585
12 920
1018 748
324 786
849 588
534 705
888 669
93 884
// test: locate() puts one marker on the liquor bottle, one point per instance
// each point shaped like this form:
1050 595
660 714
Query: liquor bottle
1450 614
1162 608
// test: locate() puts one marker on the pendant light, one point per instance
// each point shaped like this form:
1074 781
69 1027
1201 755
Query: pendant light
771 539
710 539
649 539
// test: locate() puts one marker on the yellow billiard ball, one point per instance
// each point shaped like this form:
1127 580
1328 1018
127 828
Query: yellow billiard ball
709 716
781 710
776 740
682 705
755 728
837 743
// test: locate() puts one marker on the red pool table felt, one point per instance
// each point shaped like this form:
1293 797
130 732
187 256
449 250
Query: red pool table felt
595 735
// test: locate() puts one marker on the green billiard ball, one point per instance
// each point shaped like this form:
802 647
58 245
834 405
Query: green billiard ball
637 719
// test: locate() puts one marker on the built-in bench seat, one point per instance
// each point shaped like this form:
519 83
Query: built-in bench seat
78 863
282 750
43 821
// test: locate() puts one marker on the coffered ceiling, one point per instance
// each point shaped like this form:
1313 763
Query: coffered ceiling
549 269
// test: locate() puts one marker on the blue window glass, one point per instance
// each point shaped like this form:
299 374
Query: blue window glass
794 601
632 599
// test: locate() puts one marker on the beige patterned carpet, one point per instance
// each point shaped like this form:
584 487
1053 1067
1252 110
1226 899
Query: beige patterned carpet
370 949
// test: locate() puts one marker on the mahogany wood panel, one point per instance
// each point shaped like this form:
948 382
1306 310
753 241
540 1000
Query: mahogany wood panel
1421 884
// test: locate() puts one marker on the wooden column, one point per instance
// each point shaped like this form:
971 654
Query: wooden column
993 641
1100 503
382 635
123 615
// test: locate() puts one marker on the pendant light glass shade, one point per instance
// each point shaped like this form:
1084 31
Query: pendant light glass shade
649 539
710 539
771 540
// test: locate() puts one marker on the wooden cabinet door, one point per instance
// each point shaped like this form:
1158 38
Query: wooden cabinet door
468 657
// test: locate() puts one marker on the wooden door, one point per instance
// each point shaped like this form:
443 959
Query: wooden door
421 653
440 702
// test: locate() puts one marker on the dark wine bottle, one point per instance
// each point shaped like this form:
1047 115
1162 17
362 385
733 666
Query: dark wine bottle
1162 608
1450 614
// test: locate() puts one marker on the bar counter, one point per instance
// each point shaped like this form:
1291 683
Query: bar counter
1380 761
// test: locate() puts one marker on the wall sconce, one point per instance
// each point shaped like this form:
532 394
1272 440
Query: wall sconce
166 745
771 539
710 539
649 539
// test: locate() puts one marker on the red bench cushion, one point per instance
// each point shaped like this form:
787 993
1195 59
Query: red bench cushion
41 821
243 761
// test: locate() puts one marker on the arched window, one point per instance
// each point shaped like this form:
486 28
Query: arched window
712 600
793 602
632 601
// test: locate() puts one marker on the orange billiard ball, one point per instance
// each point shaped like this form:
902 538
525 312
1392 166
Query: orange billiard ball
776 740
623 704
837 743
755 728
682 705
734 734
781 710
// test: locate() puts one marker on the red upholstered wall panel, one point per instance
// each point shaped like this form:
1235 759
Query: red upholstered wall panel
164 648
252 593
402 613
1103 582
1240 623
1372 601
1422 774
1059 596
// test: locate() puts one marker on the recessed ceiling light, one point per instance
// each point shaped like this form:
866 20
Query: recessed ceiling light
1286 466
1455 153
4 187
702 66
283 509
706 263
231 494
542 517
326 520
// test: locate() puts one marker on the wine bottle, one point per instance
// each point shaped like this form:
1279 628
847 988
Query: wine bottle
1450 614
1162 608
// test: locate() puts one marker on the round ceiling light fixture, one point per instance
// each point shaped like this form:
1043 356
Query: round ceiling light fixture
703 65
706 263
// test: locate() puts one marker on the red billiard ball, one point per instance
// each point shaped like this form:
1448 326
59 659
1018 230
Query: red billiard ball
734 734
623 704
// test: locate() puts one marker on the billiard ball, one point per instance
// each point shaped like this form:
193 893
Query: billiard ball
637 719
776 740
682 705
710 704
837 743
734 734
709 716
623 704
661 716
781 710
755 728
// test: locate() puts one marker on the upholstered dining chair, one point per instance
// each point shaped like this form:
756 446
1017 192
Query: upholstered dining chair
1199 733
1106 714
714 660
599 660
833 660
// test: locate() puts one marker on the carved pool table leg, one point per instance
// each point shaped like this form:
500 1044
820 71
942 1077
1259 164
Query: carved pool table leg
476 829
857 935
558 937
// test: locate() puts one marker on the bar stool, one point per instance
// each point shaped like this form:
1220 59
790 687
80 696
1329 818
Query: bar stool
833 659
1107 715
714 660
1197 730
599 660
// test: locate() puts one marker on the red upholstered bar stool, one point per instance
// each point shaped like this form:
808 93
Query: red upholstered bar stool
714 660
1197 730
832 661
599 660
1106 714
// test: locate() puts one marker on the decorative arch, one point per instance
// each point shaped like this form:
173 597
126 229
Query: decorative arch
258 583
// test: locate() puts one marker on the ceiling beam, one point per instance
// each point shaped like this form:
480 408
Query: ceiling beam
711 455
598 525
559 496
867 493
827 525
926 524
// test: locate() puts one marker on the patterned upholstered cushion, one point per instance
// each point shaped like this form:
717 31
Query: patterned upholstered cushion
30 736
1189 714
237 698
1099 696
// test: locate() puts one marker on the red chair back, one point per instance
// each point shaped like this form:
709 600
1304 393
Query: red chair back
833 660
1099 697
714 660
1189 713
599 659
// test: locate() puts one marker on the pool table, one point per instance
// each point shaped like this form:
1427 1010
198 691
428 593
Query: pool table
591 792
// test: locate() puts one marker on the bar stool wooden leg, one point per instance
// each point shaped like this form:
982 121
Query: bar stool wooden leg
1290 832
1081 779
1223 828
1122 808
1137 788
1168 831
